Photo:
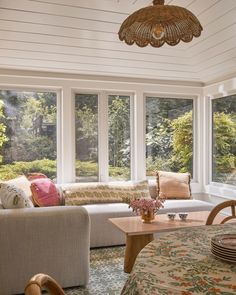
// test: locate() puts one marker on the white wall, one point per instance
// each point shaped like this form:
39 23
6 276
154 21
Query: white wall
66 85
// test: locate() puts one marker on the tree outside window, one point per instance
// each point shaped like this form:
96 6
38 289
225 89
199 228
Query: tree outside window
224 140
169 135
27 133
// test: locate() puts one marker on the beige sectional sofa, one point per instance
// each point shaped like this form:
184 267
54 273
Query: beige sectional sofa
52 240
56 240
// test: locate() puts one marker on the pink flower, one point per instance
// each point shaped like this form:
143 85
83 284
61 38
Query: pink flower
141 206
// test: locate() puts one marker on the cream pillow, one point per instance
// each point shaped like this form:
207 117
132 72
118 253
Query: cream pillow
23 183
94 193
173 185
13 197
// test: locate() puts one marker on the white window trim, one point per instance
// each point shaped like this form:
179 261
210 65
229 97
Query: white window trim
103 148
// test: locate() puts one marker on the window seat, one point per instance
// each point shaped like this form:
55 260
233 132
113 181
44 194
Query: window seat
104 233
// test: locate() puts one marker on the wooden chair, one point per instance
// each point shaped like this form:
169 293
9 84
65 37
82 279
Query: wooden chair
218 208
45 282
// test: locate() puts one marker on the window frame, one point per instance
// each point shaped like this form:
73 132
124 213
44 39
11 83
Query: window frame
103 130
210 132
59 142
196 108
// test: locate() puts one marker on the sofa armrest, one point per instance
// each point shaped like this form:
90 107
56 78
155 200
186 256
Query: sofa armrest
51 240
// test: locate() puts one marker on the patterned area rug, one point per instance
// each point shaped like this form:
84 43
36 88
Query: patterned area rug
106 273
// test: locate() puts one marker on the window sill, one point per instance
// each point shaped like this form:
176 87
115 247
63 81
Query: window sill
221 190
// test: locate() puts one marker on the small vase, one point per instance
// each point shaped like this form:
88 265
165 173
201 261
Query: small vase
147 217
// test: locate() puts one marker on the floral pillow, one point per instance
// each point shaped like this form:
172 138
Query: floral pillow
13 197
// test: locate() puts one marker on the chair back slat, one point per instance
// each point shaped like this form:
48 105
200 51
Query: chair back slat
218 208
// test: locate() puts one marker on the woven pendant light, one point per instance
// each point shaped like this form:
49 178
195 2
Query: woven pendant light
159 24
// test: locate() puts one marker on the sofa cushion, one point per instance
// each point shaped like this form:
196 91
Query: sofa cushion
112 192
13 197
185 206
173 185
45 193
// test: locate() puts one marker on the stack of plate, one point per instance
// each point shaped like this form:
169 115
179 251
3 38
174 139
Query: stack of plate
224 247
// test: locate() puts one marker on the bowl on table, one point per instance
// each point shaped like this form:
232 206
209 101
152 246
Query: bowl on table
171 215
183 215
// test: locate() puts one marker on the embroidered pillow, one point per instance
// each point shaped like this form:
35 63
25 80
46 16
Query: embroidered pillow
94 193
44 193
173 185
23 183
13 197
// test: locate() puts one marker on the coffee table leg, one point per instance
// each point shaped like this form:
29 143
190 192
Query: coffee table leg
134 244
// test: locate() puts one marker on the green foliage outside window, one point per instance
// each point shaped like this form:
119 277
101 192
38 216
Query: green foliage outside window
27 133
119 137
28 137
169 135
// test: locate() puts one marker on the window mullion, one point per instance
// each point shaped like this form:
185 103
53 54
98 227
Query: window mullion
67 138
139 160
103 149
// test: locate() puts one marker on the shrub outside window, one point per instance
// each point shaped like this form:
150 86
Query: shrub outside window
224 140
169 135
27 133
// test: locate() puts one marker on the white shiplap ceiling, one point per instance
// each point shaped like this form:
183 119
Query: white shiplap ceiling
80 36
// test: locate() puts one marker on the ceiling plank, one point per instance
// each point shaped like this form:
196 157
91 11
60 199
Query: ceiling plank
80 68
57 10
93 60
90 52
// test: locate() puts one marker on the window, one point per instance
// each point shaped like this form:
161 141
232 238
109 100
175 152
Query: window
224 140
169 135
108 114
27 133
86 134
119 137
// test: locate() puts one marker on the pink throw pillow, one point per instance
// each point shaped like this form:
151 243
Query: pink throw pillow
33 176
44 193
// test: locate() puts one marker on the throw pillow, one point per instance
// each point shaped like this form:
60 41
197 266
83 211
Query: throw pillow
95 193
173 185
13 197
23 183
33 176
44 193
